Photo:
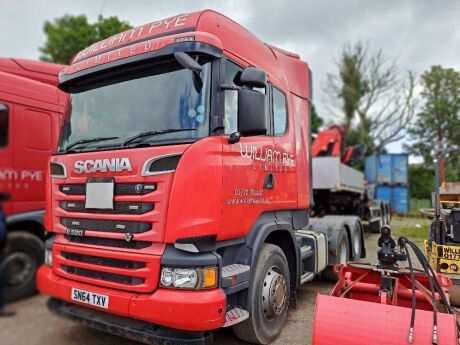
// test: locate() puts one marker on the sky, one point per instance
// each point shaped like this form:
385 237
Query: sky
419 33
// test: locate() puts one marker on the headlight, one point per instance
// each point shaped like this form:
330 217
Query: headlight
189 278
48 257
453 267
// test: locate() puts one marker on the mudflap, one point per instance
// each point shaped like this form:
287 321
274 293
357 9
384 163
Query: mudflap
140 331
348 321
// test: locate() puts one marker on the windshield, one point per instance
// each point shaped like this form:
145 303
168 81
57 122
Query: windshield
168 101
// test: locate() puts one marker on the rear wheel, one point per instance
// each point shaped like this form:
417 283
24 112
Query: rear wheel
388 213
356 240
269 298
24 254
376 226
343 254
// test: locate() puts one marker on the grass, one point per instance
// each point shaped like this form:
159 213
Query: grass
413 232
415 229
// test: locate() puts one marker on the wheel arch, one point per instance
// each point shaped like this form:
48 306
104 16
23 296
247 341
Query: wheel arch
280 233
32 227
31 222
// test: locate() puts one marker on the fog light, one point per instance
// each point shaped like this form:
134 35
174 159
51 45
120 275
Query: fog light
453 267
48 257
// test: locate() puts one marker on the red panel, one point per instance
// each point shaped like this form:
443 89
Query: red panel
348 321
195 206
300 114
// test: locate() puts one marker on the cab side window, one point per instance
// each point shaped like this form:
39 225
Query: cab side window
4 119
232 74
279 112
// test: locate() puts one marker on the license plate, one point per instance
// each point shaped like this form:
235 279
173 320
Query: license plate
99 194
91 298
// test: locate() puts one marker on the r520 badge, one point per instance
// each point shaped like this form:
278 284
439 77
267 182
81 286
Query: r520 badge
75 232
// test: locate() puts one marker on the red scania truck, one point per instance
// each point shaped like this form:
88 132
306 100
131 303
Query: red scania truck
180 193
31 108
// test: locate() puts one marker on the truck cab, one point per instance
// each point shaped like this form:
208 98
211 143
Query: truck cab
31 110
180 192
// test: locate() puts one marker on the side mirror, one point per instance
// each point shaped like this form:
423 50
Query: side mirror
253 77
252 118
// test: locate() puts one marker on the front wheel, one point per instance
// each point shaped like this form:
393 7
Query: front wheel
24 254
269 298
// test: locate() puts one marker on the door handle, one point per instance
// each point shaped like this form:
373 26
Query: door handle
269 182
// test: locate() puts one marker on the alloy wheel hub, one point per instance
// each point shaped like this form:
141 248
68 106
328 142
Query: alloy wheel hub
274 294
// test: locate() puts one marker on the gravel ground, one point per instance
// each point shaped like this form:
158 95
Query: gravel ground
35 325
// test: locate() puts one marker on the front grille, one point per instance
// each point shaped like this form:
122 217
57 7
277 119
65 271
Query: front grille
97 260
106 225
112 277
119 207
120 188
108 242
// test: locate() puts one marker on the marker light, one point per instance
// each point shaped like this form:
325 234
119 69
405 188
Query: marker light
185 39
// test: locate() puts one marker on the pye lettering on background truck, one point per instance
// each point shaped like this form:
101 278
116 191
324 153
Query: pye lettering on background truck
180 193
31 108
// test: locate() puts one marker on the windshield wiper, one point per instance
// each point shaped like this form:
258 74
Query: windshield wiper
87 141
152 133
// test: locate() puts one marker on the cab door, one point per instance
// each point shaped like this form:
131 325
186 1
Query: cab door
247 167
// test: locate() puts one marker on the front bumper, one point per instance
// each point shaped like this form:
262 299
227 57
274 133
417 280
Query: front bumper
139 331
194 311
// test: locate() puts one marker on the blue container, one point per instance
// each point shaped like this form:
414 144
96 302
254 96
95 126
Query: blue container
400 199
400 167
398 196
378 169
383 193
387 169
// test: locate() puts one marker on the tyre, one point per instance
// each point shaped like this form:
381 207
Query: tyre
269 298
343 253
24 254
376 226
388 213
356 241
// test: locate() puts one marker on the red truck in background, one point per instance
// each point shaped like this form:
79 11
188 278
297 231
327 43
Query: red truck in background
31 108
179 197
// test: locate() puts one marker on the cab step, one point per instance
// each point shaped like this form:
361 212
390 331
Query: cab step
306 277
234 316
235 278
234 269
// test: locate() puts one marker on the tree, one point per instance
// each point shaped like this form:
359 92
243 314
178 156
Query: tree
436 126
315 120
368 87
421 180
67 35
